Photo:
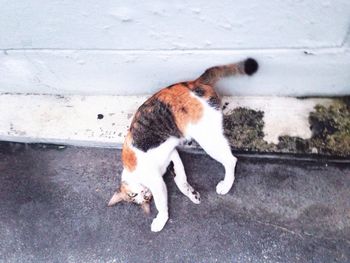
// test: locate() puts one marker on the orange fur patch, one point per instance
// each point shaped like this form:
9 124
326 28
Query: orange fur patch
124 188
128 155
186 109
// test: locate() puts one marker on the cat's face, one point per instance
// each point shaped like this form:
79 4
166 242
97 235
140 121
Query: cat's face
135 193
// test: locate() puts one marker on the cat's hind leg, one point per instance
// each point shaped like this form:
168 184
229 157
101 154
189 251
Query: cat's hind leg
181 179
208 132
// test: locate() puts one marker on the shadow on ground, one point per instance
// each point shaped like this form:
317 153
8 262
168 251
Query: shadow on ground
53 209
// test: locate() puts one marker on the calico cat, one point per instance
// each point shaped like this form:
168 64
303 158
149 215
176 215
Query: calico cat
183 111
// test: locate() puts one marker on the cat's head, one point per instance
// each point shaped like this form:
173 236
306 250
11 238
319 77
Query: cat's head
135 193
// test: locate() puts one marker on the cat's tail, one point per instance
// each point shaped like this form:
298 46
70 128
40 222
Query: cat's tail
212 75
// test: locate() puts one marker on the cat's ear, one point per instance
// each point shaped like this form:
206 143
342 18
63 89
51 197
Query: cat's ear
146 207
116 198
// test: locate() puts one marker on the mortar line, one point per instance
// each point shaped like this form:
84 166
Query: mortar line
278 49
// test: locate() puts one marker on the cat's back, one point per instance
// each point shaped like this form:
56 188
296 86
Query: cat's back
169 111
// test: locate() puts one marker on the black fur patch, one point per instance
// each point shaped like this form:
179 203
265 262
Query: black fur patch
185 84
215 102
250 66
200 92
153 125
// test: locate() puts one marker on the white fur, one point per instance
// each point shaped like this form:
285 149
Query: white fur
151 166
208 132
181 179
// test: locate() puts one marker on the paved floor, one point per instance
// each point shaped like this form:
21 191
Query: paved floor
53 209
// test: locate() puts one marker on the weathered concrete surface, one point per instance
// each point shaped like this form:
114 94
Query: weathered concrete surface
104 120
159 25
80 47
283 72
310 129
53 209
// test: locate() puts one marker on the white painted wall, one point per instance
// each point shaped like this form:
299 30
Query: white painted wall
136 47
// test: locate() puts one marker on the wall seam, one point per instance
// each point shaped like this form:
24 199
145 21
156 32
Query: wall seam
176 50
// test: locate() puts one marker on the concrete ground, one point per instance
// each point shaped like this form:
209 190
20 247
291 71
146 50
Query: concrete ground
53 209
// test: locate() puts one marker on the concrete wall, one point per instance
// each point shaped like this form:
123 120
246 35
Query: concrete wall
136 47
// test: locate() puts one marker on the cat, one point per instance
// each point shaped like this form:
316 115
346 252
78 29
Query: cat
183 111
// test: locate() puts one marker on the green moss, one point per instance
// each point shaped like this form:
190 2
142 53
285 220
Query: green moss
330 131
331 128
244 129
289 144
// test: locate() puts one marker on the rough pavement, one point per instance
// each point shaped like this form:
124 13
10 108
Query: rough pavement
53 209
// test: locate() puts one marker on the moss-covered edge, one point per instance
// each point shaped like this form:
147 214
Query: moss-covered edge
330 128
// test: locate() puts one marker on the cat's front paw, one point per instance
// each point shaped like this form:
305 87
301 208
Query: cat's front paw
195 197
223 188
159 222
